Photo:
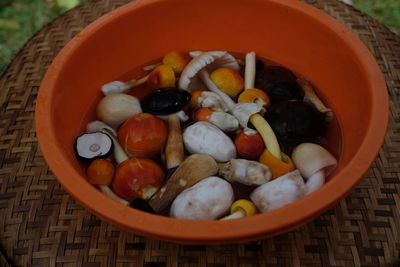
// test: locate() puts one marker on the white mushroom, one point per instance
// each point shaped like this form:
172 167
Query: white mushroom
107 191
174 150
114 109
204 138
208 99
195 53
243 112
207 61
180 114
225 121
314 163
116 87
152 66
209 199
311 97
205 77
247 172
279 192
250 70
96 126
314 182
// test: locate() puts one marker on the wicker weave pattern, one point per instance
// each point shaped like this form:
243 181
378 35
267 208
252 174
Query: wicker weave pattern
41 225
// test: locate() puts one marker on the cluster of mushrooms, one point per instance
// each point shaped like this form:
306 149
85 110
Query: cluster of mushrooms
202 132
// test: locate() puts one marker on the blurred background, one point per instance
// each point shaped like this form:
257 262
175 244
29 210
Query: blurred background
20 19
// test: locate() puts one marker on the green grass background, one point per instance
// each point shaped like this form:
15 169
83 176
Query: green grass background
20 19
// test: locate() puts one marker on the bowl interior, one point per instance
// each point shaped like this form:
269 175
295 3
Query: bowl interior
292 34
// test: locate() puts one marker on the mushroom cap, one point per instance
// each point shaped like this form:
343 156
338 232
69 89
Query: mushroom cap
209 199
310 158
245 206
279 192
208 99
204 138
210 60
114 109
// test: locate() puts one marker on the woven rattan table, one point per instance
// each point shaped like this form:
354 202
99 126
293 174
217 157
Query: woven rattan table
41 225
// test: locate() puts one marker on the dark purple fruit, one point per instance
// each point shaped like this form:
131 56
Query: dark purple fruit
295 122
267 77
285 91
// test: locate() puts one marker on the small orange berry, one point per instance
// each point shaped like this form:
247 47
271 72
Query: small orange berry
100 172
176 60
161 77
194 101
228 80
254 95
202 114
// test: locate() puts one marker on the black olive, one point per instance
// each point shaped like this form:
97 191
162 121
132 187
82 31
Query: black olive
285 91
165 101
270 76
92 146
295 122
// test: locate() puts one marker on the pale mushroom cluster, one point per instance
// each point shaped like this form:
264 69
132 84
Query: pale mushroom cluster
209 132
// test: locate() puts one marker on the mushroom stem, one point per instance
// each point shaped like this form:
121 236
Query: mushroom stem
119 153
250 70
121 87
180 114
224 121
311 96
152 66
174 151
134 83
314 182
205 77
236 215
107 191
96 126
241 208
267 134
246 172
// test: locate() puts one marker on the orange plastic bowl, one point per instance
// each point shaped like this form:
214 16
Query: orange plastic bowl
291 33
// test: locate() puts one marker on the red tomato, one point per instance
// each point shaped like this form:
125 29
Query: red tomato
143 135
137 178
249 146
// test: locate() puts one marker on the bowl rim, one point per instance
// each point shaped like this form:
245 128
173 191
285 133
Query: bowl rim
208 232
